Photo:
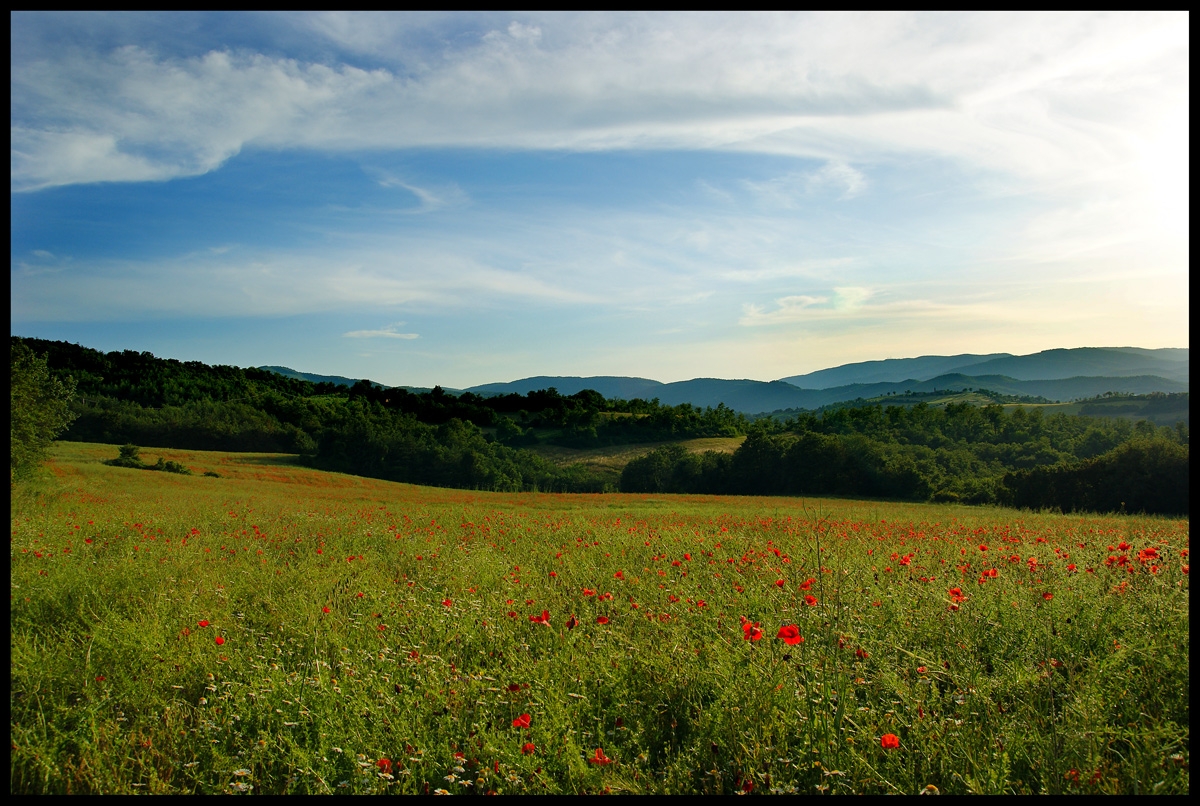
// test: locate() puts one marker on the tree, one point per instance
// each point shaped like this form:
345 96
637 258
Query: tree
40 409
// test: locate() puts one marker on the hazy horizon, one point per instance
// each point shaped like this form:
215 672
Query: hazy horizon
461 199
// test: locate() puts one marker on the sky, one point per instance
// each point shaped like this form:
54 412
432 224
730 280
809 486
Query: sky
467 198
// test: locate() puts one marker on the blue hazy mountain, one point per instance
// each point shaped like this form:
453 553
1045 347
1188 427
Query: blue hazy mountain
1170 363
756 397
890 370
1058 375
610 386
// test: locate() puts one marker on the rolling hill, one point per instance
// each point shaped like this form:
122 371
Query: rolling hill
1169 363
1057 375
756 397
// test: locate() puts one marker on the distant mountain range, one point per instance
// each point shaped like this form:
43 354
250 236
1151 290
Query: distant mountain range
1169 363
1059 375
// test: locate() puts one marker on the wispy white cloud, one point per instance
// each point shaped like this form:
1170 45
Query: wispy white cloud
834 178
1047 96
388 332
430 198
813 269
379 275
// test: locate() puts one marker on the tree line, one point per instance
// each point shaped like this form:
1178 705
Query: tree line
959 452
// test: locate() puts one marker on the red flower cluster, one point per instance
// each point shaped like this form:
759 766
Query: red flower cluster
751 631
790 635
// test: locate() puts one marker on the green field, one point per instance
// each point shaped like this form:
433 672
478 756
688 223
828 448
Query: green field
285 630
606 463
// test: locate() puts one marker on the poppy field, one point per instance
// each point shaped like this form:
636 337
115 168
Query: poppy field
278 629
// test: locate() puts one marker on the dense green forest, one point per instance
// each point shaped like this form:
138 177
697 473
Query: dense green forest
959 452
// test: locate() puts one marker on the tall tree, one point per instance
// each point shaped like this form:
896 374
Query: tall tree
40 409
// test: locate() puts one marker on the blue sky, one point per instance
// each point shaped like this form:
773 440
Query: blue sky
459 199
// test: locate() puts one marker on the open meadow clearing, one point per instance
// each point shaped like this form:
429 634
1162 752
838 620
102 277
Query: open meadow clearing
284 630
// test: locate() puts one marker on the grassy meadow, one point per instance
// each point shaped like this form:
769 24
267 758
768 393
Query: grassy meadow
284 630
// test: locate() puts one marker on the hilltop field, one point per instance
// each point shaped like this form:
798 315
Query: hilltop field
282 629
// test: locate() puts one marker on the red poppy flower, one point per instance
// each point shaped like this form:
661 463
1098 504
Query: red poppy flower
572 622
220 640
599 758
522 721
542 619
1047 596
619 575
601 619
921 670
751 631
203 622
889 741
384 764
360 595
779 583
810 600
528 748
447 603
512 614
790 635
100 678
806 584
588 592
324 609
957 595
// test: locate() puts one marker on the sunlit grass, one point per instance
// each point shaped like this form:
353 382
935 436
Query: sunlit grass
378 637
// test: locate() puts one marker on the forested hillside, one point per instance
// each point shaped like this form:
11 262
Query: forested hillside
959 452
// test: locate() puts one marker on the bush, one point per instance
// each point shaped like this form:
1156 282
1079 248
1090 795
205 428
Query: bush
129 457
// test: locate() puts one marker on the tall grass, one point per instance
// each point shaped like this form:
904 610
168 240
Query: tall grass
378 637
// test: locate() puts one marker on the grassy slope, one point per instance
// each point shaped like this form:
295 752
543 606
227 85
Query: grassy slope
608 462
427 654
